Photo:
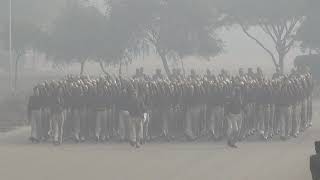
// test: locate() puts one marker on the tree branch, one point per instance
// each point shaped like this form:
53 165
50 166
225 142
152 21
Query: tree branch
290 28
281 30
260 44
275 30
288 46
265 28
103 68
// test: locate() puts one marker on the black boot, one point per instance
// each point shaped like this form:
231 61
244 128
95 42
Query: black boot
133 144
56 143
97 139
137 145
34 140
189 138
232 144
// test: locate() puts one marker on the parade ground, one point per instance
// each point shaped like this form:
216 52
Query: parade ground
253 160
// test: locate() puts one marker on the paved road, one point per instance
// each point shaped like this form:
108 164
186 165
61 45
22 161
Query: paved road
253 160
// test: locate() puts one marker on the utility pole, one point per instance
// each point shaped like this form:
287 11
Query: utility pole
10 45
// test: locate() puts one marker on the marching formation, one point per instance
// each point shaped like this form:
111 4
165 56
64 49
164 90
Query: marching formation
142 108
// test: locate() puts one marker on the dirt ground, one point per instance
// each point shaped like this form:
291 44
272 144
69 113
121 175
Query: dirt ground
253 160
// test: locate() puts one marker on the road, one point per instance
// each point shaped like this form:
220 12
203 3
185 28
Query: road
253 160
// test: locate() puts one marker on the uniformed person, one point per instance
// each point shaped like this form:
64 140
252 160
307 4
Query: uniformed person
101 113
57 114
158 76
284 108
136 108
315 162
194 106
234 115
34 115
161 108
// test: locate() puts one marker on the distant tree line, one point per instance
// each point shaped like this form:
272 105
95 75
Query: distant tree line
75 31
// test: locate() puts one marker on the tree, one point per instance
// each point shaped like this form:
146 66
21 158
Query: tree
308 34
24 38
76 36
172 29
28 17
278 19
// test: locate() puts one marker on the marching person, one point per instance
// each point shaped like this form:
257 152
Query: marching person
34 116
193 107
234 115
57 114
315 162
136 108
161 109
101 113
284 108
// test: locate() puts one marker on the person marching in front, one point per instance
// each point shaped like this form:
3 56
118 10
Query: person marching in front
234 114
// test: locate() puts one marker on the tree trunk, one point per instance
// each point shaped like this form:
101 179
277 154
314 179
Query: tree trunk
16 69
127 68
103 68
120 69
281 64
82 67
182 65
165 64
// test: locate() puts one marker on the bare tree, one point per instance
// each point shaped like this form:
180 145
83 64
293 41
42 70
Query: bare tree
278 19
171 29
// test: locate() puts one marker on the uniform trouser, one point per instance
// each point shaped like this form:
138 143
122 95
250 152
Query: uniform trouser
276 118
90 123
285 113
203 120
76 122
240 123
136 129
109 126
83 125
193 116
260 118
303 115
247 119
112 124
124 117
251 117
257 116
45 122
36 124
58 122
272 119
113 121
244 128
215 118
164 118
176 119
146 122
315 166
221 123
101 121
309 110
233 120
267 120
296 119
